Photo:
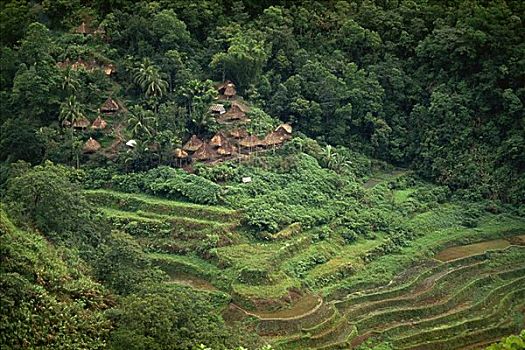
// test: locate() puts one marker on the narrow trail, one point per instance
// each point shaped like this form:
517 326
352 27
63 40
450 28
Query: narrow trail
112 150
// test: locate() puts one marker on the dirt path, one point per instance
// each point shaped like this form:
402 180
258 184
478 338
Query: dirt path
112 150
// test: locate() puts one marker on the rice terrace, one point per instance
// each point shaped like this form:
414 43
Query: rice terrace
262 175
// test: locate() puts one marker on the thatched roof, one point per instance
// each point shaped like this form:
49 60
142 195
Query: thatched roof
204 152
81 123
100 31
193 144
110 106
83 28
251 141
180 153
218 140
238 133
236 112
227 89
91 146
109 69
238 106
286 128
99 124
226 149
217 108
273 138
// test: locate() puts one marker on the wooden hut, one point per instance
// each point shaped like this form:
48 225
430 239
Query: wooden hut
193 144
217 109
91 146
218 140
251 141
84 29
180 153
273 139
110 106
205 152
226 149
109 69
227 90
284 129
236 112
238 133
99 124
81 123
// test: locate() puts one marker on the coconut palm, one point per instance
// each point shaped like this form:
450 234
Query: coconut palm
150 79
71 111
141 121
70 81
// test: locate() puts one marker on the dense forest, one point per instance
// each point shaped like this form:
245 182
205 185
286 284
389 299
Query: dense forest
216 174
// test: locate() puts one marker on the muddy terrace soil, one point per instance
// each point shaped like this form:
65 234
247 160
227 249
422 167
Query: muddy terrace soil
192 281
457 252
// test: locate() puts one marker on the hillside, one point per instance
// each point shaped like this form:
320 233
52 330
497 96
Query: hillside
222 175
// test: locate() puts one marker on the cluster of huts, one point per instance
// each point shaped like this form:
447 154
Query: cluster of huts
85 28
109 108
235 142
225 145
89 66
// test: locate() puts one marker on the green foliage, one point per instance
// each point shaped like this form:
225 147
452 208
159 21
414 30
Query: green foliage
30 192
163 181
48 297
122 265
510 343
166 317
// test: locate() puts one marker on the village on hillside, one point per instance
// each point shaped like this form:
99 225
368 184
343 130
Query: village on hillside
232 141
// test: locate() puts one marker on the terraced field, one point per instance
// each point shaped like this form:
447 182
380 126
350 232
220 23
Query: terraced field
449 305
461 298
164 225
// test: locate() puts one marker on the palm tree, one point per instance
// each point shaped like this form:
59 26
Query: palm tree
329 156
70 81
71 111
150 79
140 121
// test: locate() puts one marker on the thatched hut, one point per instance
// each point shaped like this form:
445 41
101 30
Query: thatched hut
193 144
91 146
205 152
100 31
84 29
99 124
273 139
217 109
218 140
236 112
81 123
227 89
251 141
110 106
180 153
284 129
238 133
109 69
226 149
